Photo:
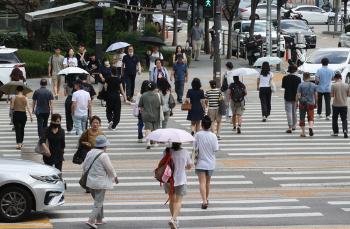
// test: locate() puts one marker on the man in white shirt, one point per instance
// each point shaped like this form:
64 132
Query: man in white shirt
81 108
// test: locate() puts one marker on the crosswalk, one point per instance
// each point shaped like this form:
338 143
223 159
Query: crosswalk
138 201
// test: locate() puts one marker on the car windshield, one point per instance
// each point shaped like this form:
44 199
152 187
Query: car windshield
334 57
8 58
259 27
294 24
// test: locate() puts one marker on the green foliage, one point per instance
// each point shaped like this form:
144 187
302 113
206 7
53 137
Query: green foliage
36 62
151 30
63 40
16 40
168 53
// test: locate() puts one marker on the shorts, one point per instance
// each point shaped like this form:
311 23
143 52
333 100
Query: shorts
208 173
214 115
56 79
237 108
152 125
180 190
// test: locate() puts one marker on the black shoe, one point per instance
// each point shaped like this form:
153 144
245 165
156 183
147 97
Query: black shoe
345 135
264 119
293 129
238 130
288 131
192 133
311 132
234 128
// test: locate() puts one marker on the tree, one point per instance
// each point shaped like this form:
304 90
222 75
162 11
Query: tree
252 17
230 10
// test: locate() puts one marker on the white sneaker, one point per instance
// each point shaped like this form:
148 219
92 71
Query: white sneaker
328 118
110 124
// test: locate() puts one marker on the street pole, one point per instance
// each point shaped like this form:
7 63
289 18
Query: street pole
278 35
336 7
99 31
217 29
268 29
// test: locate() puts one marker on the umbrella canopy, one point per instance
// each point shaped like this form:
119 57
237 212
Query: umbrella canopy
152 41
72 70
271 59
245 72
10 88
170 135
116 46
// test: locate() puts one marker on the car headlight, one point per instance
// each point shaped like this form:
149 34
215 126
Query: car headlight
53 179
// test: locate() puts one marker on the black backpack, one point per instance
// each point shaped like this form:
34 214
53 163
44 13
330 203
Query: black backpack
237 93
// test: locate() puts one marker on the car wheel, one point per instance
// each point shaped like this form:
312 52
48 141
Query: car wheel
15 204
339 44
159 28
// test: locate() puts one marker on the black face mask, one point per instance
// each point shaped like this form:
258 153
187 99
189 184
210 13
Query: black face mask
54 125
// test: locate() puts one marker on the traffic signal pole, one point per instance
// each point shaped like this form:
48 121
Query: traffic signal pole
217 30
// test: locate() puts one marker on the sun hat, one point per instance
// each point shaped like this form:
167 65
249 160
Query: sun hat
101 141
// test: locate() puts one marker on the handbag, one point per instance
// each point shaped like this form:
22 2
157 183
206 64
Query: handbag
222 106
273 86
171 101
85 175
186 106
102 95
81 152
135 109
194 155
40 149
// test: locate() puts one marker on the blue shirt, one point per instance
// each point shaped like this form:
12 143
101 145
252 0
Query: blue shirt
180 70
324 76
42 96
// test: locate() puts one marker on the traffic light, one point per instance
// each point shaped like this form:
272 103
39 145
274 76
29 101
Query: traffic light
208 8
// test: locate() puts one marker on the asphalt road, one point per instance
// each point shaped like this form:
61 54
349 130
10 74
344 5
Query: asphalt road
264 177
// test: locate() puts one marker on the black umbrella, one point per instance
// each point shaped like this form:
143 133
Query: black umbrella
152 41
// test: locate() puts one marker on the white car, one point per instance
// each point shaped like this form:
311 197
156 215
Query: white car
314 14
169 22
260 12
27 186
338 61
8 61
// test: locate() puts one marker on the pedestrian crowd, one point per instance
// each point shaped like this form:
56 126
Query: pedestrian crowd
153 106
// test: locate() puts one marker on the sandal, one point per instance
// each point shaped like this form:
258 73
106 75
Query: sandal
302 135
204 206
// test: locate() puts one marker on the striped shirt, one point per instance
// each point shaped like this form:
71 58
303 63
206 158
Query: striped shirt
213 96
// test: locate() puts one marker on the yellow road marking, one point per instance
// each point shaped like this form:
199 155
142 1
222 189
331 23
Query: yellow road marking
39 224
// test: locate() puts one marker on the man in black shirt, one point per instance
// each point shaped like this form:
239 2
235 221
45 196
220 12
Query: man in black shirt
290 84
82 57
131 66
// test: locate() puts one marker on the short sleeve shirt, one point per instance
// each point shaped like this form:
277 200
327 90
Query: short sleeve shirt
290 84
325 76
213 97
181 159
180 71
130 64
56 63
71 62
152 59
265 80
340 91
82 98
307 89
42 97
207 144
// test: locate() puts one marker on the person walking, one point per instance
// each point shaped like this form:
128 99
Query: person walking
226 82
81 107
290 84
101 177
182 162
179 52
42 106
70 60
82 57
264 88
140 124
197 35
88 139
55 65
118 62
19 105
165 91
131 66
53 142
149 105
237 92
105 72
159 72
324 77
180 75
206 144
307 98
68 91
340 92
213 97
153 56
113 103
195 96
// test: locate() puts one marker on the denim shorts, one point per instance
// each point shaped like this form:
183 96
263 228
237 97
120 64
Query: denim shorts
180 190
208 173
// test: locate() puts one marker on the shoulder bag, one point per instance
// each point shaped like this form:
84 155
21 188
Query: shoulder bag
85 175
222 106
273 86
81 152
171 101
195 152
186 106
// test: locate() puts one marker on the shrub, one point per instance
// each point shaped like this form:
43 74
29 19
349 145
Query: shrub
151 30
168 53
16 40
36 62
63 40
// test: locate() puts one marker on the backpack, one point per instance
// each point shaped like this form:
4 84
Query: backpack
237 93
164 172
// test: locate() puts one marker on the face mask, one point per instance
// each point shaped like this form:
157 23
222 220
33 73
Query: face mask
55 125
106 62
131 53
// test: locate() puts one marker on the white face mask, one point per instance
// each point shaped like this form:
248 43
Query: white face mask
131 53
106 63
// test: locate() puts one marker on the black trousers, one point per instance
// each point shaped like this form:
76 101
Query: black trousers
42 120
343 112
265 100
68 109
19 121
113 107
327 101
130 84
58 165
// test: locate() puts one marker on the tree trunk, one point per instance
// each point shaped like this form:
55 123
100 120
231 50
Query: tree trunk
206 36
252 17
229 40
175 23
164 27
